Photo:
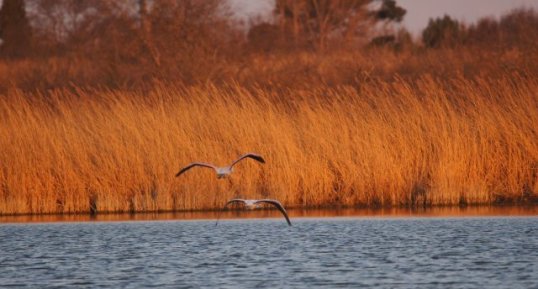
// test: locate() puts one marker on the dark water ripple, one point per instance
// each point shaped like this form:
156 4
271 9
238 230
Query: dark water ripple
266 253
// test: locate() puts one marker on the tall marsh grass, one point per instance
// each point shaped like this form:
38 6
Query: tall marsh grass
387 143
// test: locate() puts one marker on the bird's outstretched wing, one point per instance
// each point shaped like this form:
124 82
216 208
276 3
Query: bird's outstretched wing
278 205
194 165
226 205
249 155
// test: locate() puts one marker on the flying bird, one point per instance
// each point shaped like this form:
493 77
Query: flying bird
225 171
253 204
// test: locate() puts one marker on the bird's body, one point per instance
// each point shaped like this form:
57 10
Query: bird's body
254 204
249 204
224 171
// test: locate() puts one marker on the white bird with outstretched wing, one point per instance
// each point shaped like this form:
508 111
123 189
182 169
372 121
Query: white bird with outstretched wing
252 204
221 171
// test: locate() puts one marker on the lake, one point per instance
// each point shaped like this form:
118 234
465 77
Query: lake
371 250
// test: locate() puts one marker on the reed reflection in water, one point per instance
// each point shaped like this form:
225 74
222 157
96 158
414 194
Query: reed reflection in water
449 211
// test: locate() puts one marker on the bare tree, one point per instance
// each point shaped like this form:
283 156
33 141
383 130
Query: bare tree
15 30
318 20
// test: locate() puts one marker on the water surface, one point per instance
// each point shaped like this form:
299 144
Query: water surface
375 252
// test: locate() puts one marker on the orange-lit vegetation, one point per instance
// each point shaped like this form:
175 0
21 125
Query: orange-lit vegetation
99 111
430 141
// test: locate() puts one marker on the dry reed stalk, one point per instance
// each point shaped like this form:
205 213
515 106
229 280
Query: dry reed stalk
427 142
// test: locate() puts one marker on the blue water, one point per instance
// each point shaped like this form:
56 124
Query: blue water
492 252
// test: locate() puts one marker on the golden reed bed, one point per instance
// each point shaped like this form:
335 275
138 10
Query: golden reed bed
397 143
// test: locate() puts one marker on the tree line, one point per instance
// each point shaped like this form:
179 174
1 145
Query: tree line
193 40
33 26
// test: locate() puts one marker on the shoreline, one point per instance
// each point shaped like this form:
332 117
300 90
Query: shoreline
509 210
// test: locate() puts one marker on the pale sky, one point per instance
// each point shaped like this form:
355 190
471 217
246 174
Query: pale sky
419 11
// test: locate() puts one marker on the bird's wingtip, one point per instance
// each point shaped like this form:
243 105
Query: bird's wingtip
258 157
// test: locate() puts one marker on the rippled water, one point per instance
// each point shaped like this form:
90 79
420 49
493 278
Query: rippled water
479 252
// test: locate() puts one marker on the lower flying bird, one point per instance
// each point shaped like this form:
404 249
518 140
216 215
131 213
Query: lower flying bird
252 204
222 171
